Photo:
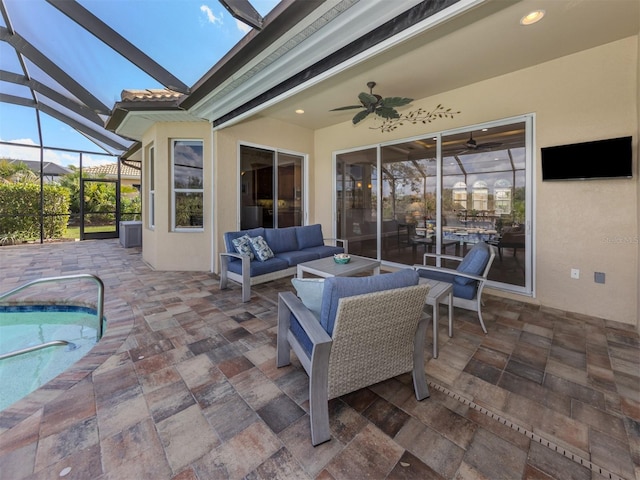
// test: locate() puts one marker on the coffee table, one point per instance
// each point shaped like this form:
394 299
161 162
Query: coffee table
327 267
437 293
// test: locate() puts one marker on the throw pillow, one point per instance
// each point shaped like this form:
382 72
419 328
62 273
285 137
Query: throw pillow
309 291
263 252
243 245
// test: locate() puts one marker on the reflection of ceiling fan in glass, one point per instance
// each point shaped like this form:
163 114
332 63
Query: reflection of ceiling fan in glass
472 146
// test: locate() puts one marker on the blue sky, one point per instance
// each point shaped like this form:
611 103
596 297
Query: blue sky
186 37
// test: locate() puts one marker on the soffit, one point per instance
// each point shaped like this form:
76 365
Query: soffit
135 123
482 43
330 27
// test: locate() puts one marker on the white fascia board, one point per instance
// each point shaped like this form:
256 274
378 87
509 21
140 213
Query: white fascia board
137 123
457 9
347 27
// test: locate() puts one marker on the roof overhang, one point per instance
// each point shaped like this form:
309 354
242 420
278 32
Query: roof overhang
328 37
140 109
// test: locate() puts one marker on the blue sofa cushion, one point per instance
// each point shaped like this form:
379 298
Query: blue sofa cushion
474 262
230 236
323 250
309 236
259 268
281 239
336 288
295 257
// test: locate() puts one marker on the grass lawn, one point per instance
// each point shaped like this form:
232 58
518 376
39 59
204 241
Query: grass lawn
74 232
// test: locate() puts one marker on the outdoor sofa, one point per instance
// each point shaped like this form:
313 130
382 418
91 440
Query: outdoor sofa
262 254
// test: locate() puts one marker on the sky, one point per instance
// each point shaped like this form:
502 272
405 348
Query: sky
186 37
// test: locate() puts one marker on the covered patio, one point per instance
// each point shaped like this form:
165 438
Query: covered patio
184 386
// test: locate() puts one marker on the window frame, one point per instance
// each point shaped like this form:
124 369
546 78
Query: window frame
151 222
176 191
528 288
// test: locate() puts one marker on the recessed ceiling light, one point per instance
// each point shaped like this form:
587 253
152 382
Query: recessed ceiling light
532 17
299 111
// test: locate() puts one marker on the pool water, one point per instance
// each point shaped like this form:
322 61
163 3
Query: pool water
25 326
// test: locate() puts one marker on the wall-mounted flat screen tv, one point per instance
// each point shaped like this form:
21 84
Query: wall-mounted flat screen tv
609 158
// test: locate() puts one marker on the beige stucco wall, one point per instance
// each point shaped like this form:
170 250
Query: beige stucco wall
162 248
590 225
638 173
261 132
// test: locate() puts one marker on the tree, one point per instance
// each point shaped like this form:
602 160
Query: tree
16 172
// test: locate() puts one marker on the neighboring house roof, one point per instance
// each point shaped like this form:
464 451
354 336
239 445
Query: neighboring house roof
111 170
48 168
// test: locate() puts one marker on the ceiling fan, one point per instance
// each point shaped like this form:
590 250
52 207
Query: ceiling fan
471 145
372 103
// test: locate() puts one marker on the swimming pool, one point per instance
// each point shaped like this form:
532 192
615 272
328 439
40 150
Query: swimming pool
23 326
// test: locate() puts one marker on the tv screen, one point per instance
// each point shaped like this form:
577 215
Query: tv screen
589 160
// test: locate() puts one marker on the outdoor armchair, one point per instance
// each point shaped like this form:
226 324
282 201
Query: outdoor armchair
468 279
369 331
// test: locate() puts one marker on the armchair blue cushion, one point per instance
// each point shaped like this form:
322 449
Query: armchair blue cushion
336 288
474 262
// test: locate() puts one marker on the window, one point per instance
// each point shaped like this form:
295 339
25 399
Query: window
480 196
152 187
187 175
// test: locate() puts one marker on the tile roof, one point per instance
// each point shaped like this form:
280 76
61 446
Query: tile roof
111 169
150 95
48 168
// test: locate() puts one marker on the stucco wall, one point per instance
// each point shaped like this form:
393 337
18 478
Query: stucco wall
590 225
638 179
162 248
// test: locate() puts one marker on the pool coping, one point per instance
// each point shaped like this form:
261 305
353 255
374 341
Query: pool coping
120 320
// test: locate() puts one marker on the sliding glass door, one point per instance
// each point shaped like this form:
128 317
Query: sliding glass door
442 194
484 196
271 188
357 200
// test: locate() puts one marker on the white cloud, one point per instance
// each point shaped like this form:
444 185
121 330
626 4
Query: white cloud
243 27
27 152
211 17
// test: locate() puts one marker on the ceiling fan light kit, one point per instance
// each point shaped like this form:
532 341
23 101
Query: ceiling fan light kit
386 109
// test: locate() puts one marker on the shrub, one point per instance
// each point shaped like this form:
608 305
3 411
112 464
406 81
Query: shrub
20 207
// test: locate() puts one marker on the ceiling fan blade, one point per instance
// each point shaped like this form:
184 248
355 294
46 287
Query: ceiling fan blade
387 112
395 101
489 144
348 107
360 116
368 99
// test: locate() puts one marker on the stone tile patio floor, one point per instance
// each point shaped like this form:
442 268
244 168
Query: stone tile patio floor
184 386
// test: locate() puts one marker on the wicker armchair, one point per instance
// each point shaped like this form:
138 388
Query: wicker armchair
376 336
